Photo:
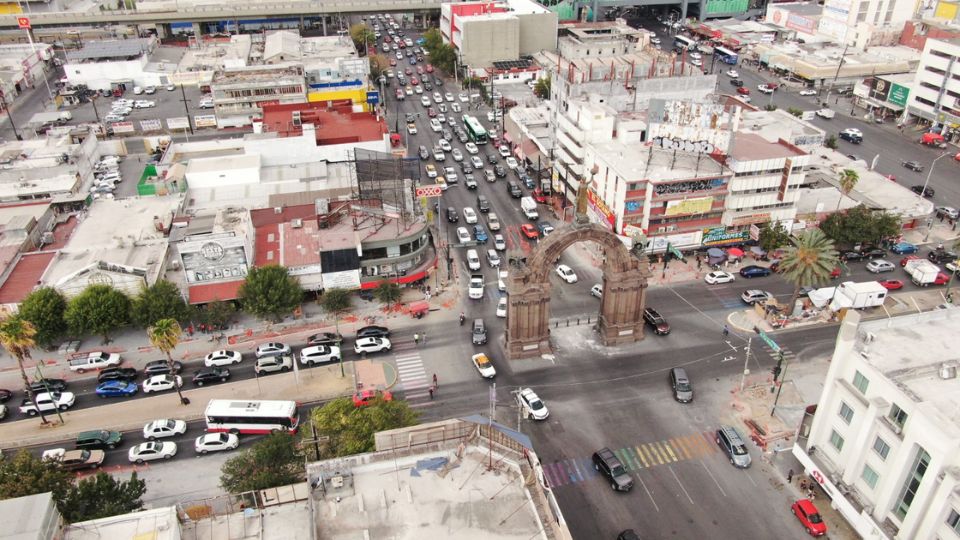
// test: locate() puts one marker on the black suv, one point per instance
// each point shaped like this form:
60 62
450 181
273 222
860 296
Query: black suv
452 215
160 367
609 465
926 192
52 385
325 338
373 331
100 439
941 256
117 374
211 375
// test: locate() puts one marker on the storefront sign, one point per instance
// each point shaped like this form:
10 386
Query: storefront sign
683 240
180 122
349 280
150 125
727 6
122 127
601 210
206 120
898 94
751 219
720 236
801 24
879 89
700 205
209 258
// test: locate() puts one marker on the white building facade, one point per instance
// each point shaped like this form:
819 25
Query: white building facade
766 182
885 438
935 95
859 22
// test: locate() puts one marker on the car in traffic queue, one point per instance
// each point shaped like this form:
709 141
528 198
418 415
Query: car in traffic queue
216 442
151 451
160 383
116 388
531 405
212 375
483 365
655 320
371 345
222 357
164 427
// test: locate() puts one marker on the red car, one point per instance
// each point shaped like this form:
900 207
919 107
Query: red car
530 231
743 90
431 113
429 68
903 261
414 81
365 397
942 279
835 273
393 62
408 71
891 284
808 515
386 39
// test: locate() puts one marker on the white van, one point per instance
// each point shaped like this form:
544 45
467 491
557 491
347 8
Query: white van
473 260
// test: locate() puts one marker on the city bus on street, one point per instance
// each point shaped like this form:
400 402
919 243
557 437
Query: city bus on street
246 417
475 129
726 55
683 42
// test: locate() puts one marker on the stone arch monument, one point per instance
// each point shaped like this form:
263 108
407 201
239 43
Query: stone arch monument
621 307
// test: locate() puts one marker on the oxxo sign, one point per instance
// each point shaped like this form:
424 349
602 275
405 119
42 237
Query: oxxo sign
703 147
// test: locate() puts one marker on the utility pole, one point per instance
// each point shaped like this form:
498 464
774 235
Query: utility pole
746 360
782 379
186 109
6 107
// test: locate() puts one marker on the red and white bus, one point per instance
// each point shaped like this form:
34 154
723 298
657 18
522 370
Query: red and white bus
252 416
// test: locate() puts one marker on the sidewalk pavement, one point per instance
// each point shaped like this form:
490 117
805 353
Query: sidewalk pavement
301 385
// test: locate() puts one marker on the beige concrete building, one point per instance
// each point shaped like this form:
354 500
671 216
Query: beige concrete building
487 32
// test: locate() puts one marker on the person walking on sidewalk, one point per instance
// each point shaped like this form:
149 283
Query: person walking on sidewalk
790 476
416 338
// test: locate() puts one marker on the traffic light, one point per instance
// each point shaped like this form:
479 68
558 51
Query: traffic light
777 368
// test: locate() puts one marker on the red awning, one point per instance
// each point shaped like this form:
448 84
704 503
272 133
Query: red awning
735 252
203 294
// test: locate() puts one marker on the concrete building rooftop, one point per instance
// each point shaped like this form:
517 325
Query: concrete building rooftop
156 524
779 124
753 147
118 49
443 493
259 73
525 6
217 55
893 351
642 161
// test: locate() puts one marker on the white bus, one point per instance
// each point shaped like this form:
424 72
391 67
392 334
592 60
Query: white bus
252 416
683 42
726 55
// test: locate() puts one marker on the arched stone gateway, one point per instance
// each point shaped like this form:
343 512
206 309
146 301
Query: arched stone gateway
621 307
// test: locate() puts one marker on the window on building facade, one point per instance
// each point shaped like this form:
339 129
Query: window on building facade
860 382
911 484
953 521
836 440
870 476
881 447
898 416
941 54
846 412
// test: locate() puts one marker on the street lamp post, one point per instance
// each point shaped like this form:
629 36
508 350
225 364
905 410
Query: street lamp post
923 192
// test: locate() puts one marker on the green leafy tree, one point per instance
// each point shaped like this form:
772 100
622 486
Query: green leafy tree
773 236
378 65
350 430
25 474
165 335
795 111
362 36
809 261
770 107
336 302
102 496
831 142
848 180
860 225
44 308
387 293
98 310
159 301
17 337
273 461
542 88
270 292
217 313
432 39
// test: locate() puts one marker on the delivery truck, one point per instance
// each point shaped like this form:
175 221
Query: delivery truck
922 272
55 117
529 207
863 295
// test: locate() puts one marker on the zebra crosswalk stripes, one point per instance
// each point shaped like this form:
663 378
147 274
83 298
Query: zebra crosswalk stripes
788 355
634 458
410 370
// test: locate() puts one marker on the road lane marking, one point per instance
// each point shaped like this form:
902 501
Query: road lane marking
707 469
679 483
650 495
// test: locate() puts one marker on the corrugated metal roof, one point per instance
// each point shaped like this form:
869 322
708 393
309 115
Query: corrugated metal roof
94 50
203 294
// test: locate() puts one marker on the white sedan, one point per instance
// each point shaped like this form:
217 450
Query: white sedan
159 383
764 89
502 307
222 358
371 345
566 273
597 290
272 349
733 73
159 429
463 235
714 278
504 150
471 148
484 366
150 451
469 215
512 163
464 98
808 92
216 442
144 104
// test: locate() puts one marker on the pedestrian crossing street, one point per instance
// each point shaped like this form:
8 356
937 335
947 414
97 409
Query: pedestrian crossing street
634 458
413 376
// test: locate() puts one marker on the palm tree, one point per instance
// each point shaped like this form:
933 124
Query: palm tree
848 180
165 335
17 337
809 261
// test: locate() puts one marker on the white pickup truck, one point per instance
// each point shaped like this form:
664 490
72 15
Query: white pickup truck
94 360
48 402
826 113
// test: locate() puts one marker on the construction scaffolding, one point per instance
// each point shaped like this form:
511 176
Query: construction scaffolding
386 184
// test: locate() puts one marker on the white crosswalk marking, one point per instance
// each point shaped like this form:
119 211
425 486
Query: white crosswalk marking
414 378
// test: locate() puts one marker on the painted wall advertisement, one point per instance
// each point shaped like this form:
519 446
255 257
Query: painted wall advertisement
179 122
720 236
801 24
122 127
150 125
690 126
727 6
206 120
680 241
601 212
700 205
898 94
833 28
